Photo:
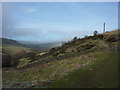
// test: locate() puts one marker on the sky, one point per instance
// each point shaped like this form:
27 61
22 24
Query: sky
56 21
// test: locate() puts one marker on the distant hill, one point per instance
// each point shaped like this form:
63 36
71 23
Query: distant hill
10 42
41 46
12 46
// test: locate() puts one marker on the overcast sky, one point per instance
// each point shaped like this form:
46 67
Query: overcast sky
56 21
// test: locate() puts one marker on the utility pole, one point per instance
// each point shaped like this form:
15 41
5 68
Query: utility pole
104 28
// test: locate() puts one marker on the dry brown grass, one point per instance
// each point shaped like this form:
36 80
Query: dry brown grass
115 32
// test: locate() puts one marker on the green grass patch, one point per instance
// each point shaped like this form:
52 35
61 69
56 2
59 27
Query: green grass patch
13 48
103 75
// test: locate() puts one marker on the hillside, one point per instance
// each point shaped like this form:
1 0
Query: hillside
90 62
10 42
12 46
115 32
41 46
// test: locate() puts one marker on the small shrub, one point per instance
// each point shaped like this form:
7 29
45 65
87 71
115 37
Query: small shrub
95 33
85 36
74 39
17 56
89 46
6 60
32 55
52 50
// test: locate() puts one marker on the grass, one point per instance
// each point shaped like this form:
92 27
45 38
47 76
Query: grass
71 72
103 75
14 48
23 62
115 32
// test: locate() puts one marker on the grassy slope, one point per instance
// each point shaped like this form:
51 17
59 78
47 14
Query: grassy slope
13 48
69 73
115 32
103 75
